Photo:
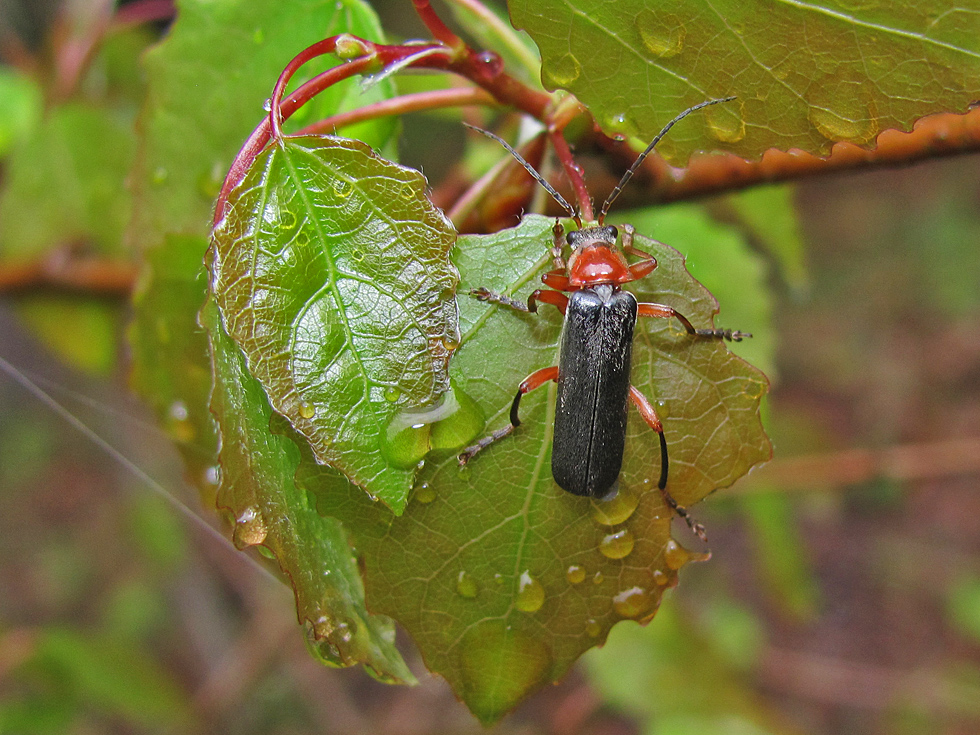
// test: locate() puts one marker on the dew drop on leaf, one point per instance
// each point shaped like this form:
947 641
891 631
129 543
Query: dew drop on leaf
663 409
633 602
613 510
575 574
530 594
562 71
392 394
676 556
462 423
839 110
466 586
307 410
404 445
725 122
250 528
617 545
660 577
424 493
592 628
662 35
287 220
597 578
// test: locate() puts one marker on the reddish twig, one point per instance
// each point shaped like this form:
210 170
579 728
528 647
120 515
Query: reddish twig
436 27
574 173
401 105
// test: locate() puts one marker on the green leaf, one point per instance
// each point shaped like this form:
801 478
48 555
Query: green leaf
257 489
332 273
806 75
502 578
208 81
169 351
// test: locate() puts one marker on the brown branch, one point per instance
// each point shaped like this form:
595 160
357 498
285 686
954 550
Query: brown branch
61 270
853 466
935 136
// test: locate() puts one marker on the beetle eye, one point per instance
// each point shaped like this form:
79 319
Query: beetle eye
613 233
572 237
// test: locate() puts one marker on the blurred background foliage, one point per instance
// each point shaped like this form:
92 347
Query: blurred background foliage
844 592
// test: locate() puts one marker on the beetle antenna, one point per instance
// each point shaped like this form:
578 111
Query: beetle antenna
572 211
636 164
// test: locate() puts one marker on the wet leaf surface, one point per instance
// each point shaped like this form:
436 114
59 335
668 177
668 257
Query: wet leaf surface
257 489
502 578
332 272
806 75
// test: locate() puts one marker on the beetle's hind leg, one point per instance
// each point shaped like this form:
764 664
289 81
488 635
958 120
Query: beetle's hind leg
532 381
665 312
649 415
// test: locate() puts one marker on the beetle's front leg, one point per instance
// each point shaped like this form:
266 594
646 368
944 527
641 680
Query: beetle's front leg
665 312
532 381
556 299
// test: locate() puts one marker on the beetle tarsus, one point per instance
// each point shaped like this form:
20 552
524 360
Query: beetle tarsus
731 335
467 454
695 526
484 294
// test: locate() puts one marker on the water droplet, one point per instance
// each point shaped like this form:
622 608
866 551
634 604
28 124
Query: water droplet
575 574
839 109
491 64
592 628
466 586
617 545
302 239
307 410
462 424
424 493
597 578
726 122
287 220
450 343
614 509
755 390
212 476
499 665
498 578
663 409
530 594
343 632
342 188
562 71
160 175
660 578
250 528
267 105
662 34
404 446
358 255
392 394
633 602
676 556
620 126
407 192
179 424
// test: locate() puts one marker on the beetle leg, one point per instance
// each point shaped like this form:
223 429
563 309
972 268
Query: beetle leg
556 299
646 266
557 243
649 415
532 381
665 312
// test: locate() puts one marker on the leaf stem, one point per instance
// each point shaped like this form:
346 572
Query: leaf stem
432 100
574 173
436 27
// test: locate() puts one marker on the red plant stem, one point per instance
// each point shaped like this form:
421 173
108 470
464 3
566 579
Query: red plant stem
326 46
62 271
436 27
574 173
401 105
261 136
